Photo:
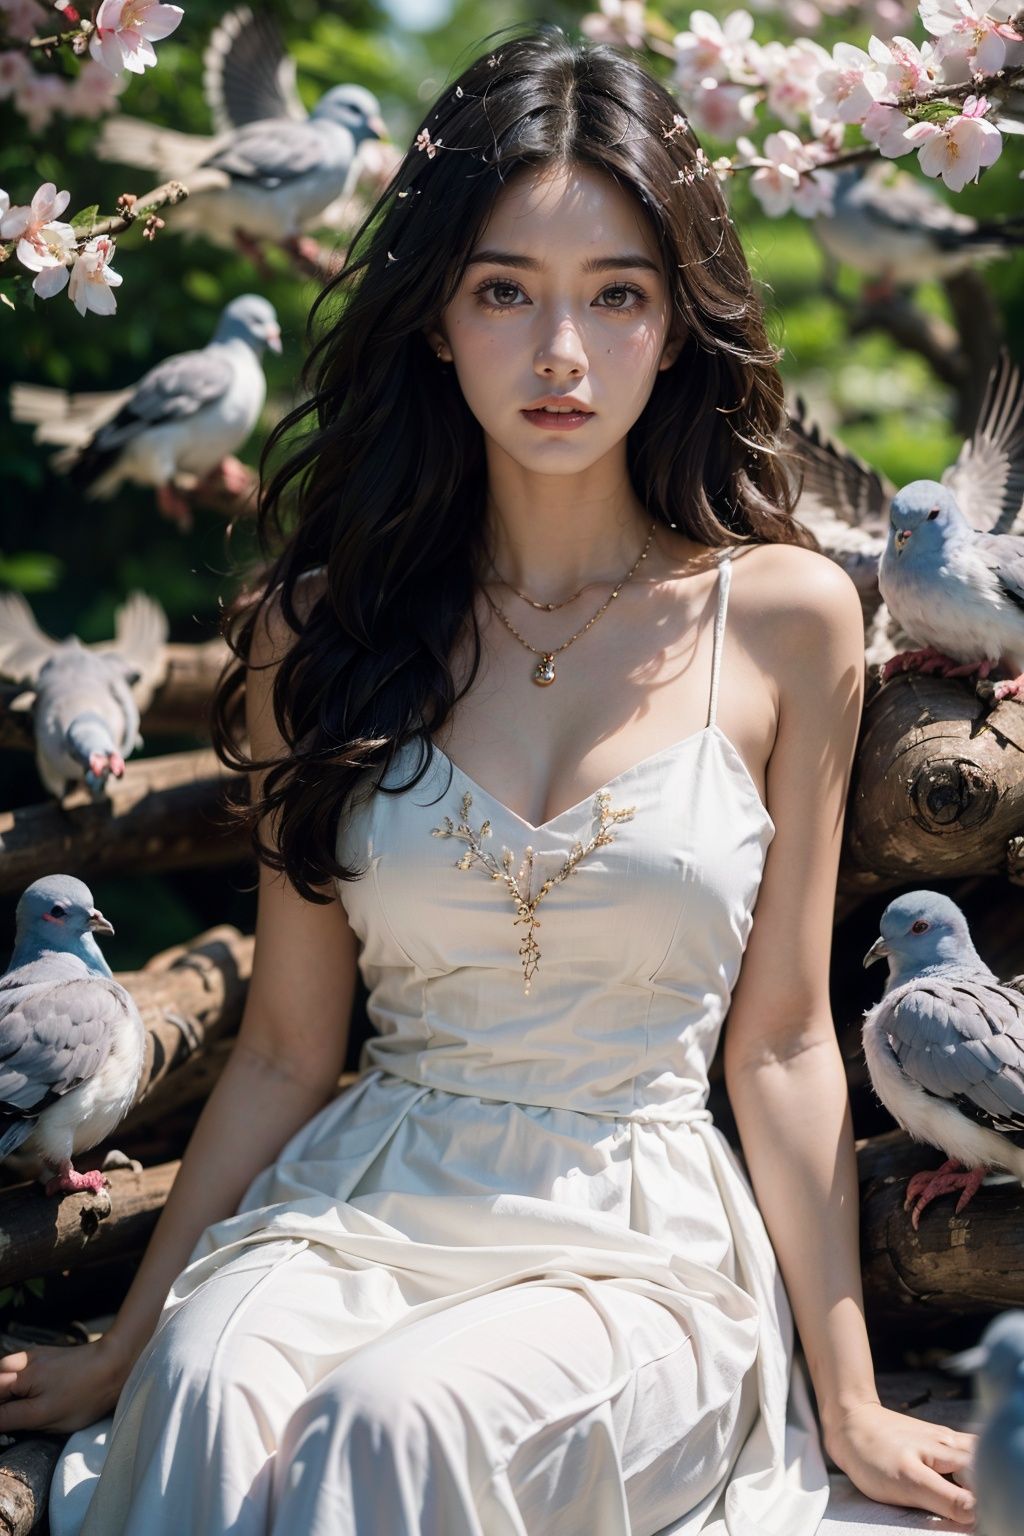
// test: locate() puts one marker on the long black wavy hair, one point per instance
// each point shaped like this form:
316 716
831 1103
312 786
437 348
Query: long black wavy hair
387 488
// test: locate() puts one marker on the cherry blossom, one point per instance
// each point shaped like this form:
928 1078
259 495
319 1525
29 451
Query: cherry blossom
722 108
850 86
44 242
719 49
791 75
15 69
619 20
781 180
957 149
93 91
92 278
126 30
908 69
22 18
39 98
886 128
967 27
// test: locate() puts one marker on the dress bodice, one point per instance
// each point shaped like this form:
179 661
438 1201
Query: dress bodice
604 992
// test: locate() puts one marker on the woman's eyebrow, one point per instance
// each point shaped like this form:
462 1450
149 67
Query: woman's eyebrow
592 264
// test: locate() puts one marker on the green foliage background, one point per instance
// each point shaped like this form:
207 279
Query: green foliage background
77 560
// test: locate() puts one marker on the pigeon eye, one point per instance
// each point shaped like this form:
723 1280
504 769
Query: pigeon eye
58 911
933 513
919 926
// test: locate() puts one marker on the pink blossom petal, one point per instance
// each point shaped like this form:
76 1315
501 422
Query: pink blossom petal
14 223
106 50
160 21
51 281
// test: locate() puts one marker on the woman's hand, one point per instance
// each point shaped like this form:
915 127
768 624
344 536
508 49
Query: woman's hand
896 1459
60 1387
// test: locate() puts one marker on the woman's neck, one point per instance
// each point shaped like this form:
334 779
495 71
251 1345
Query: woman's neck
550 535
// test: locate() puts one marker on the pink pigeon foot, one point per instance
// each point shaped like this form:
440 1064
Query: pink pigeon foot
966 668
68 1181
103 763
253 249
1010 688
926 660
173 505
923 1188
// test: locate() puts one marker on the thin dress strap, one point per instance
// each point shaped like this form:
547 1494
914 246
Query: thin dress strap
724 574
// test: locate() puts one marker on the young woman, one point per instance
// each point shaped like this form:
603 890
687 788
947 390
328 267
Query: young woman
538 706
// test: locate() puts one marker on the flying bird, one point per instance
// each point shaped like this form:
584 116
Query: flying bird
72 1043
899 231
945 1048
85 700
177 428
997 1363
272 169
848 506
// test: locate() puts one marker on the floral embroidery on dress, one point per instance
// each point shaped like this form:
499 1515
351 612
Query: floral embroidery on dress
526 904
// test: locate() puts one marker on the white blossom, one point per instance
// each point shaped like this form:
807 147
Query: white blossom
957 149
126 31
92 278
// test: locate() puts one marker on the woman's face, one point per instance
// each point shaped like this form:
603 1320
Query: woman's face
577 304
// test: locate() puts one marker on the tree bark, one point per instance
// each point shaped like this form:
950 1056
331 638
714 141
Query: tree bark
166 813
971 1263
938 787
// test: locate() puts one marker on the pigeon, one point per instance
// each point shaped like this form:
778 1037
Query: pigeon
72 1043
176 427
271 169
85 700
998 1472
945 1048
900 231
849 507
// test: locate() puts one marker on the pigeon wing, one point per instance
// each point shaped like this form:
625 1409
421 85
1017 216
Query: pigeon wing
1004 552
248 76
24 647
173 391
988 476
905 204
832 481
53 1037
271 154
963 1040
140 642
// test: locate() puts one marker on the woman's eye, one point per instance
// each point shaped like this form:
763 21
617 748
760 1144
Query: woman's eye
501 285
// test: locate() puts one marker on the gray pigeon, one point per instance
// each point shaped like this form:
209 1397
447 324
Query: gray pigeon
85 700
848 505
898 230
72 1043
958 593
272 169
945 1047
180 423
998 1472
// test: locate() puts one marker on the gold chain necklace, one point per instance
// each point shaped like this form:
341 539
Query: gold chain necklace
547 607
544 671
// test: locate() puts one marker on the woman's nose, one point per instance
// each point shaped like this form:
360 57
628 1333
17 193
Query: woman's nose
563 346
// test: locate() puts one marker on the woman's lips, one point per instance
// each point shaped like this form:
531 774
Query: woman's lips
557 421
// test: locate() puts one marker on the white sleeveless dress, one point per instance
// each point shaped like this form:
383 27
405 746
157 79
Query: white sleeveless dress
513 1282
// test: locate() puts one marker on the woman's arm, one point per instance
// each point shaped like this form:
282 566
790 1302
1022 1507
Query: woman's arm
783 1068
283 1068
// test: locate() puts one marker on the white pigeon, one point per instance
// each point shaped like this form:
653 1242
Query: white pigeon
72 1042
898 230
272 168
174 429
945 1048
997 1363
85 700
848 505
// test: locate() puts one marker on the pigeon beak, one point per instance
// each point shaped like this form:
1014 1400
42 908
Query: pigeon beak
878 950
98 923
967 1362
274 339
902 535
379 126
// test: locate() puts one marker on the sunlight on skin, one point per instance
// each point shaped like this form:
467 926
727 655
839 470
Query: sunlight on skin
516 333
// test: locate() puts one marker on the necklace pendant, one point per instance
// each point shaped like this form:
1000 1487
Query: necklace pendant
544 671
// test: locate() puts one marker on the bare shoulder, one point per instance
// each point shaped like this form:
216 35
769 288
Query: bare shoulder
803 600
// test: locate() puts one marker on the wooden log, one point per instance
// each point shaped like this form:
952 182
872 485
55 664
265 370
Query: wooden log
938 787
25 1472
166 813
972 1263
179 706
